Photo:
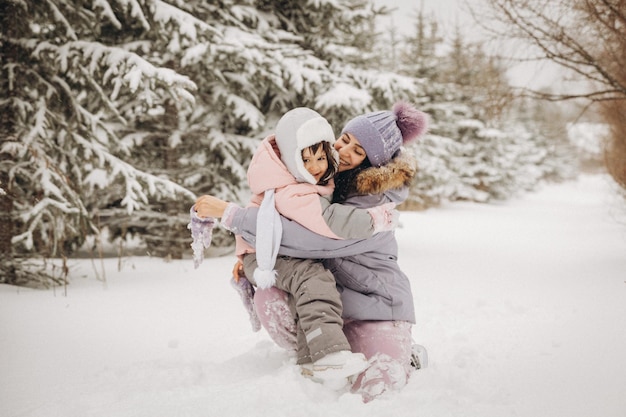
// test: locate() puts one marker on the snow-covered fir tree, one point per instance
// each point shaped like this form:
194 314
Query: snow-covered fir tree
65 87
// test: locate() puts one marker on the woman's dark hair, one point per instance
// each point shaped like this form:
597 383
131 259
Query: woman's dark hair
332 162
345 182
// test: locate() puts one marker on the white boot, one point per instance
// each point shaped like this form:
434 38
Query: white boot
335 366
419 356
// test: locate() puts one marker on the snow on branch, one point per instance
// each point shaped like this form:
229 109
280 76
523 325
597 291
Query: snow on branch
45 216
46 202
389 85
38 128
135 10
122 67
136 195
49 210
107 12
187 23
60 18
344 95
242 108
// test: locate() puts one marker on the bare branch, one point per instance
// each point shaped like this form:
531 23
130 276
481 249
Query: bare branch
587 39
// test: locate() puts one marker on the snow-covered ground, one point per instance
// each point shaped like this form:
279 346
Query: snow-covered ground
522 306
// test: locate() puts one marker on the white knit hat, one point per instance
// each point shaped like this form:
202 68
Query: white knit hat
297 130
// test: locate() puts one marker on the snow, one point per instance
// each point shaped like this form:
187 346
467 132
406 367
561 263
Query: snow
521 305
344 95
588 137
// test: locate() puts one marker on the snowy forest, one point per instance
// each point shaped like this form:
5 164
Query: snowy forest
116 114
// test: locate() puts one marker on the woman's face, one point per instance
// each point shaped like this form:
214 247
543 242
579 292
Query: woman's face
351 154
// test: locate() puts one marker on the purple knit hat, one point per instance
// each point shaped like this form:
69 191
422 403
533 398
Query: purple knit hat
382 133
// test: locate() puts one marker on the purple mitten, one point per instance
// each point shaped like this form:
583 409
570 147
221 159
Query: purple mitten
201 233
246 292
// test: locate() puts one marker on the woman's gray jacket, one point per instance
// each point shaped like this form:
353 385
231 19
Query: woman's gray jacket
368 276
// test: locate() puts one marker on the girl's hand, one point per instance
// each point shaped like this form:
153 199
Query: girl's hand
238 271
209 206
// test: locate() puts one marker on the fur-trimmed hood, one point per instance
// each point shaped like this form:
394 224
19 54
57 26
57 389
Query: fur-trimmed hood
398 173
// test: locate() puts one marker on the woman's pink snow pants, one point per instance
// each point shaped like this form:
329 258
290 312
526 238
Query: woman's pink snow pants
386 344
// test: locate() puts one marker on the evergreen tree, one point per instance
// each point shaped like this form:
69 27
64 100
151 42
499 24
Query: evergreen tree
64 88
420 56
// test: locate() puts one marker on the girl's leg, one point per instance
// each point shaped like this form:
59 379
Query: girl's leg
387 346
315 307
273 308
310 306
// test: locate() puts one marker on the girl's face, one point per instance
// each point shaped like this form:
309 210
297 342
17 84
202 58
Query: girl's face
315 162
350 151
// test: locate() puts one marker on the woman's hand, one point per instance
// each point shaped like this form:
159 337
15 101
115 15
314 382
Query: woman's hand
384 217
209 206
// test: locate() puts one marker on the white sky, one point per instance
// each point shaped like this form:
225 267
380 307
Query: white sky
448 12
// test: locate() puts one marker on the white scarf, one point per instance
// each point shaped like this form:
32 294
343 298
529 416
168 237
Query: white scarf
269 231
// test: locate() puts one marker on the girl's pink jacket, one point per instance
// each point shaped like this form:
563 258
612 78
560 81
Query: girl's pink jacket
296 201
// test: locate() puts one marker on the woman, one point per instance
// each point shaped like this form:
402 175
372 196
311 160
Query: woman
377 300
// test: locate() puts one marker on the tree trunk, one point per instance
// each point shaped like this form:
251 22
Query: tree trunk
6 232
6 223
615 151
11 20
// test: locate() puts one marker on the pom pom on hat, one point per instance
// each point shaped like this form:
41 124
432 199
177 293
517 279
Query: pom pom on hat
411 122
382 133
